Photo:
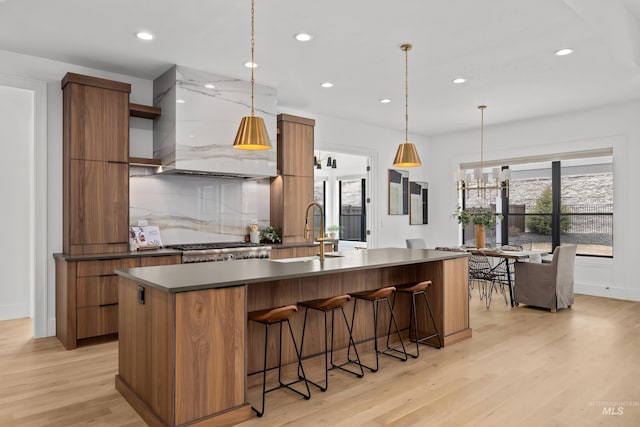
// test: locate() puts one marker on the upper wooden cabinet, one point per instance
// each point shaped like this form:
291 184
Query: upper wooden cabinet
96 124
292 191
95 165
99 205
295 145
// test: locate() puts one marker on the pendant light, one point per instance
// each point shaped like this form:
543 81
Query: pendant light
480 181
407 155
252 134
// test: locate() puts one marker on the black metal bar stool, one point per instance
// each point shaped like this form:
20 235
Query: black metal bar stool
415 289
326 305
377 296
269 317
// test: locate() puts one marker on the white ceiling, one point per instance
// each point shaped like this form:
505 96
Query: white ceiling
504 47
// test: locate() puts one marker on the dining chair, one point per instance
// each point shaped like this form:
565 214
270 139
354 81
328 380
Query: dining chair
482 272
416 244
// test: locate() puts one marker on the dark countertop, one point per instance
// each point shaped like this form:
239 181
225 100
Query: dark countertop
208 275
147 253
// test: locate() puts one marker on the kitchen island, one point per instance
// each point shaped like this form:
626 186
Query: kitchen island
184 336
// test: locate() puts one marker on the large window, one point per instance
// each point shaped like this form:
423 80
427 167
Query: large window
551 203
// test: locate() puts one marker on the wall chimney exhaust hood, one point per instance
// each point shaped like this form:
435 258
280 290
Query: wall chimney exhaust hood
200 115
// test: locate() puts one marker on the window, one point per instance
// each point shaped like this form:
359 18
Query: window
320 197
352 210
555 202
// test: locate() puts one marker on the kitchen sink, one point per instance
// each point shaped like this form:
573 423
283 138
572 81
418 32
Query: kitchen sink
306 258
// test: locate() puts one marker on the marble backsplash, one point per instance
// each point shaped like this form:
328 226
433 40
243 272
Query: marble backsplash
194 209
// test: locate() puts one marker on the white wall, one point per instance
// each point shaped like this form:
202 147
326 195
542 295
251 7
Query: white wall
16 190
614 126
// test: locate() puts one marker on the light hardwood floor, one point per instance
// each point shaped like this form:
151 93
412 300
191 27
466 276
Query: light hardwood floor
524 367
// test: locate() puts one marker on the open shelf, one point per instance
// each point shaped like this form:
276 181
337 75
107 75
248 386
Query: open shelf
144 111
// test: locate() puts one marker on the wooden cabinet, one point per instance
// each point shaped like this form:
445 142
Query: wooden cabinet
87 295
95 165
292 191
99 207
295 145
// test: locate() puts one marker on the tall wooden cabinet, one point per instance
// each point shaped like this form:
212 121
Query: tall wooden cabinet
292 190
95 165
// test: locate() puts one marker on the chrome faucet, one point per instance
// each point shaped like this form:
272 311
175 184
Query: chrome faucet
322 231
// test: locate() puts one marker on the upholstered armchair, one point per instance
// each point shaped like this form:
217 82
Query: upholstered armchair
547 285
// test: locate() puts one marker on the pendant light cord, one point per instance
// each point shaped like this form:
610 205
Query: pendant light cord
482 107
253 63
406 92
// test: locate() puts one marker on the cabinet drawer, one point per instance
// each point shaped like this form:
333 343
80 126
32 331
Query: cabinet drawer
150 261
99 290
95 321
105 267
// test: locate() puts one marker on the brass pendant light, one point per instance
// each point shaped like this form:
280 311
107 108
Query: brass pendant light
407 155
252 134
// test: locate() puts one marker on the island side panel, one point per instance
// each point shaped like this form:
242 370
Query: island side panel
210 354
456 300
146 351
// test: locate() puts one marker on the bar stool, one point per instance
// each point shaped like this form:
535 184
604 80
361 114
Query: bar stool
415 289
269 317
377 296
326 305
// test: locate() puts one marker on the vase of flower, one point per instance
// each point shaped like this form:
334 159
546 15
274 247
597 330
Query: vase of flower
480 236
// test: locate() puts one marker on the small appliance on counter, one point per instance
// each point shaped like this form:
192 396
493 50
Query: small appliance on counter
144 238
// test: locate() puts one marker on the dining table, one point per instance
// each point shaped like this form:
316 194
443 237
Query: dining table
505 257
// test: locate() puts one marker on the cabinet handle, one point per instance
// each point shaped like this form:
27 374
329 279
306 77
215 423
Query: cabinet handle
108 305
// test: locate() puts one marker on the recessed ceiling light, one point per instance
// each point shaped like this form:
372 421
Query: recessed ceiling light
385 101
326 84
143 35
250 64
180 101
303 37
210 86
459 80
563 52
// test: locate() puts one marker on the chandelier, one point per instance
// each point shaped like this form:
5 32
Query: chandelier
480 181
318 160
252 133
407 155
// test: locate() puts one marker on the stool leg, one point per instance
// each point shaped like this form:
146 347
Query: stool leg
395 323
414 319
353 317
351 341
264 371
326 363
435 327
301 368
304 329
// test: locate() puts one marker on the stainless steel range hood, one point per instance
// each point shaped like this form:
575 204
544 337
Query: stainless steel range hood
195 133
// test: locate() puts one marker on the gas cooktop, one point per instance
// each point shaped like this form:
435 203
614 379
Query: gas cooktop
217 245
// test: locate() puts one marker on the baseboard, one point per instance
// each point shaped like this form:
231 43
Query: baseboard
607 291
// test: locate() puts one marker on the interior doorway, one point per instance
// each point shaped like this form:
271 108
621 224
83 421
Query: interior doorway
343 187
23 188
17 190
